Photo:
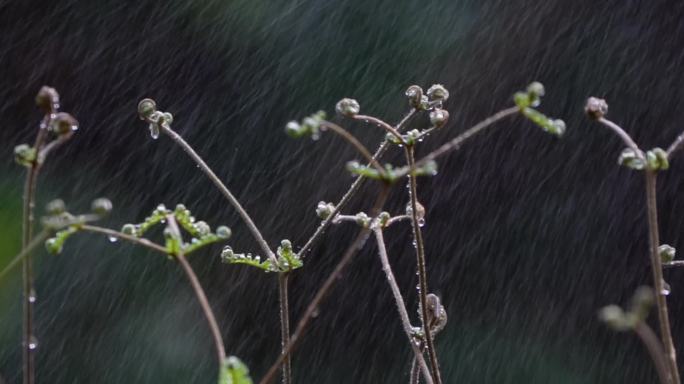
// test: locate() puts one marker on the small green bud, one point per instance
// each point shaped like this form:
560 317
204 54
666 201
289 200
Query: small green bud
414 94
362 219
24 155
557 127
642 301
324 210
667 253
656 159
63 123
522 100
101 206
202 228
392 139
348 107
410 137
168 118
293 129
53 246
55 207
47 100
536 90
286 245
383 218
129 229
223 232
146 107
630 159
439 117
595 108
227 254
614 317
437 92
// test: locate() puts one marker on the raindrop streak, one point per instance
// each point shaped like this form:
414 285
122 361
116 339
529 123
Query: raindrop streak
112 239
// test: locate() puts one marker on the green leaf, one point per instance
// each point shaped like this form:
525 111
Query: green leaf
287 259
234 371
228 256
555 127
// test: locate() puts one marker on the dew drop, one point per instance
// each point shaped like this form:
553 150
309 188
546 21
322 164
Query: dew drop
154 131
32 296
666 289
33 343
112 239
421 222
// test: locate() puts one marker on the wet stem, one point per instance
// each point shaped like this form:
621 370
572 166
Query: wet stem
422 274
28 340
657 268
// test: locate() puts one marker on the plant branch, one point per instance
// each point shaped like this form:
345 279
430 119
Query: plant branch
355 143
284 326
224 190
655 350
132 239
623 135
401 306
35 242
323 291
380 123
656 266
675 145
422 274
356 185
456 142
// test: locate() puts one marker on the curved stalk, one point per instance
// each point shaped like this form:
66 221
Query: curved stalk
35 242
655 350
658 283
382 124
401 306
355 143
623 135
224 190
422 274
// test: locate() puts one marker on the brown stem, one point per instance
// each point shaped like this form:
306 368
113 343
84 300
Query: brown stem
132 239
401 306
35 242
206 308
382 124
658 282
284 326
422 274
655 350
323 291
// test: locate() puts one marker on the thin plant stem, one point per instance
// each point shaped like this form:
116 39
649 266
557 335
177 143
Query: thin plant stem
206 308
401 306
285 326
224 190
655 350
323 291
674 263
29 344
356 185
355 143
456 142
422 274
675 145
122 236
414 375
623 135
658 282
382 124
35 242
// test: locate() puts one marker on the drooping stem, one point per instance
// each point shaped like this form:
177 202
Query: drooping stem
285 326
422 274
623 135
224 190
658 282
29 343
323 291
401 306
356 185
382 124
355 143
655 350
206 308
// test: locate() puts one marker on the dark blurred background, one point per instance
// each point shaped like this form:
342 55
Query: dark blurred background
527 235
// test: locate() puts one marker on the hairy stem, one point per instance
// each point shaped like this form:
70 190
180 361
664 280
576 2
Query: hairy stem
355 143
285 326
206 308
655 350
422 274
323 291
658 283
356 185
224 190
401 306
382 124
414 375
